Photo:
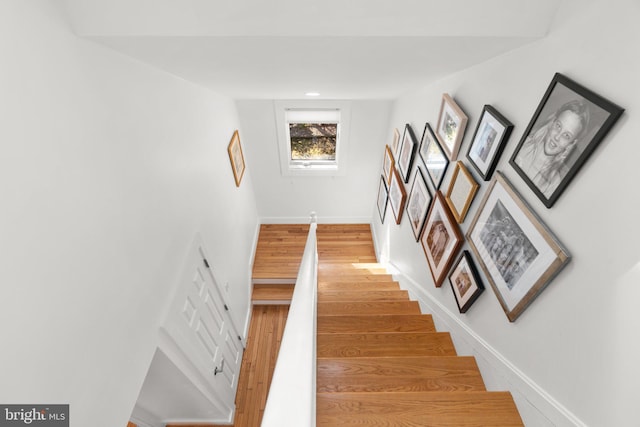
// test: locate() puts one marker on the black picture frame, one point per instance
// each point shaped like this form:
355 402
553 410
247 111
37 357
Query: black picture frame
433 156
584 119
407 152
418 203
383 197
465 282
489 139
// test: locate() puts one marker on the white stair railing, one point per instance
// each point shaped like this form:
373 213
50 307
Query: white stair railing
292 396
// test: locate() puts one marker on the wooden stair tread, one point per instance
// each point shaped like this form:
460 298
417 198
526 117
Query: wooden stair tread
385 345
269 293
368 323
430 373
383 295
367 307
358 286
364 277
434 409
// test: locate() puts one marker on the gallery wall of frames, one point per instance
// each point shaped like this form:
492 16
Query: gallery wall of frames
516 252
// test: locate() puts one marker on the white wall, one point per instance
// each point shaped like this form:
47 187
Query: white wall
108 169
572 357
345 198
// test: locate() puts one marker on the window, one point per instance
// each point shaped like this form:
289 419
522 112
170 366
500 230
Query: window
311 135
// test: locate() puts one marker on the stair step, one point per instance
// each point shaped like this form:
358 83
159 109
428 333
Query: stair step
375 323
434 409
358 286
346 268
368 307
385 345
272 293
364 277
331 296
366 374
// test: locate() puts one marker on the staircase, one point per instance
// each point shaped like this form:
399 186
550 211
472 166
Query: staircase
381 362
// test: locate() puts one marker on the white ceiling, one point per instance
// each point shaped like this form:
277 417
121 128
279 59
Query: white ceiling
280 49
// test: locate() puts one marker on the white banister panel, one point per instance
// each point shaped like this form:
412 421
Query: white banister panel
292 395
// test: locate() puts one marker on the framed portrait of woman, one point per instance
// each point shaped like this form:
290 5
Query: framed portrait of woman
566 128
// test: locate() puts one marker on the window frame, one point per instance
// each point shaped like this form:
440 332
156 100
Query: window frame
289 167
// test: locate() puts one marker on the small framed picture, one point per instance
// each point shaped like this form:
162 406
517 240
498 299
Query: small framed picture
407 152
452 122
397 195
433 156
565 129
396 142
489 140
465 282
388 163
440 239
418 203
517 252
383 195
236 157
462 190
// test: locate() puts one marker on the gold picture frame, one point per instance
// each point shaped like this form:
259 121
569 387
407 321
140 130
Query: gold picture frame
388 164
462 189
237 157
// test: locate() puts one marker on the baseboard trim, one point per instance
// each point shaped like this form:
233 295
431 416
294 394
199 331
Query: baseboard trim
531 399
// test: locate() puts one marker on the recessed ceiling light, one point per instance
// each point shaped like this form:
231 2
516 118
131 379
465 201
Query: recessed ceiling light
312 94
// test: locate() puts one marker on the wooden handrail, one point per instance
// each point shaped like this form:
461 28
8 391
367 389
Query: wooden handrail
292 396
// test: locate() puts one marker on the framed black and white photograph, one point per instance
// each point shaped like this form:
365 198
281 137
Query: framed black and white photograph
441 239
433 156
388 163
383 195
465 282
418 203
452 122
462 189
397 195
565 129
407 152
489 140
516 251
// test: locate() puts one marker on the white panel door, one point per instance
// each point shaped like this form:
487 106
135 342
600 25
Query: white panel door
200 325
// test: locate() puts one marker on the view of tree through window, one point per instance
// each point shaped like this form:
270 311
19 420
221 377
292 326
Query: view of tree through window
313 141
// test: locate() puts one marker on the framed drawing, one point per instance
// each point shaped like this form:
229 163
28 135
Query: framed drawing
397 195
565 129
516 251
396 141
440 239
418 203
236 157
388 164
433 157
488 141
452 122
407 152
462 190
383 195
465 282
